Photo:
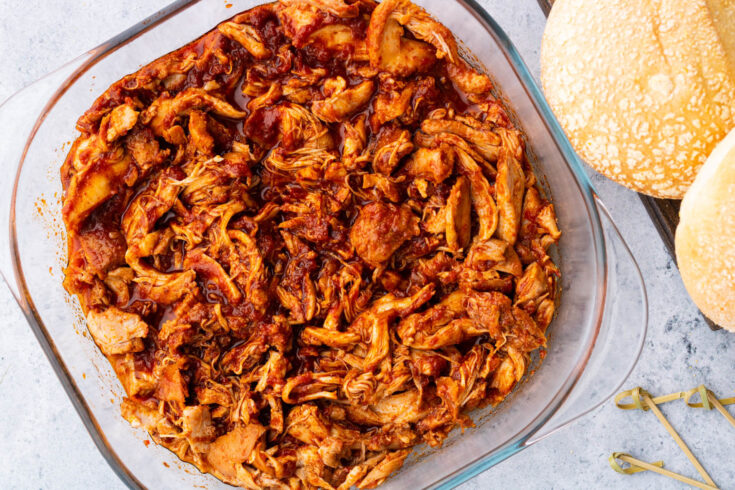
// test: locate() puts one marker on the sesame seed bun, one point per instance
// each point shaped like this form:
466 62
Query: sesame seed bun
705 237
644 89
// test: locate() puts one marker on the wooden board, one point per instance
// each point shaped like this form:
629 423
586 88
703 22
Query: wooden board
663 212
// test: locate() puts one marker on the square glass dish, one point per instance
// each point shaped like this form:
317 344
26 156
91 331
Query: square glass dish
594 341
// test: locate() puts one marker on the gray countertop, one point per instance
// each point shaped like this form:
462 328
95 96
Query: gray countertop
44 445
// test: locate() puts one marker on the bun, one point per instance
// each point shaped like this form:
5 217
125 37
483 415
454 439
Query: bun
705 237
644 90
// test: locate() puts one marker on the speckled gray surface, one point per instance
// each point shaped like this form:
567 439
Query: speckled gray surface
44 445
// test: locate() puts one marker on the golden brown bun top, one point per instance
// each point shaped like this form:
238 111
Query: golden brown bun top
644 89
705 237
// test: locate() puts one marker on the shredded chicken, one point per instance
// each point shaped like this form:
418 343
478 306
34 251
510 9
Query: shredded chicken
300 249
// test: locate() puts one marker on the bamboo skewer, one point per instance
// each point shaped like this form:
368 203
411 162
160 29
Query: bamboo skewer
641 399
712 398
677 438
637 463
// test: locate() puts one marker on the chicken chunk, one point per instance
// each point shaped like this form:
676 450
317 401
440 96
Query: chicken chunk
172 383
458 317
458 215
332 440
165 289
511 370
233 448
381 229
163 113
116 331
247 269
509 188
307 425
310 469
382 186
102 173
145 150
484 141
432 164
118 122
538 215
200 140
294 126
392 104
372 324
482 199
210 270
546 220
392 462
533 286
344 103
355 139
247 36
392 52
298 19
338 40
143 415
390 147
439 326
296 290
135 381
527 335
491 312
454 218
311 386
486 261
398 409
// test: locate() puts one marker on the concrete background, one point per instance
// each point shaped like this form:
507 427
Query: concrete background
44 445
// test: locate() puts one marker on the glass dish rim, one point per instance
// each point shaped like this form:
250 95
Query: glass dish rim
585 187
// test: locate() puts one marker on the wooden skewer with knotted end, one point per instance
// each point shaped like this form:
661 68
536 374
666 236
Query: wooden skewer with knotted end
636 466
641 399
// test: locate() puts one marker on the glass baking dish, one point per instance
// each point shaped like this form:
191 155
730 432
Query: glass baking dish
595 339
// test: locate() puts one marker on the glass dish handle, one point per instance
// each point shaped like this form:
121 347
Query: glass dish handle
620 340
18 118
